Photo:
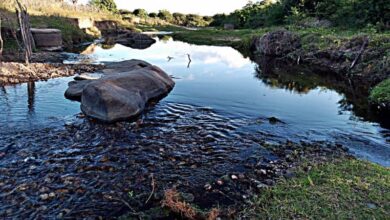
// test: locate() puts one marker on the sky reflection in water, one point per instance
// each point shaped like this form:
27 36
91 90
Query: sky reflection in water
219 78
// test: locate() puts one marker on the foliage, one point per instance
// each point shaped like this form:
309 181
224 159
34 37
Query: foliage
381 93
350 189
346 13
179 18
165 15
153 15
142 13
195 21
107 5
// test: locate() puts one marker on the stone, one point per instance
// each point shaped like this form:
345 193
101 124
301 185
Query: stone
277 43
85 77
123 92
106 25
228 26
47 38
75 89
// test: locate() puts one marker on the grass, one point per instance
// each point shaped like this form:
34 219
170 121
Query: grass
381 93
350 189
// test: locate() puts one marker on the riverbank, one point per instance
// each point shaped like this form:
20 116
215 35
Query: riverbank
347 188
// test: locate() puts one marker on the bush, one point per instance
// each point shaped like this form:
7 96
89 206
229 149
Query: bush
142 13
381 93
165 15
107 5
357 13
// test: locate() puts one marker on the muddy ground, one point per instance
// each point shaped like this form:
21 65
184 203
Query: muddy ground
15 73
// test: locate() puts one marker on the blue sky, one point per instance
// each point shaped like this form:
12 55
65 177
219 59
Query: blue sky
202 7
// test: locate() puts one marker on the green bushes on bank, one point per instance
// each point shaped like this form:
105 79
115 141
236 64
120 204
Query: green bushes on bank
343 13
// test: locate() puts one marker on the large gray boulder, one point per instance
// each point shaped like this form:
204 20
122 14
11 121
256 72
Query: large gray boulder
75 89
277 43
121 94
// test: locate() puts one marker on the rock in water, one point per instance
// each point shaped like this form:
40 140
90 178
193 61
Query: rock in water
75 89
123 94
277 43
135 40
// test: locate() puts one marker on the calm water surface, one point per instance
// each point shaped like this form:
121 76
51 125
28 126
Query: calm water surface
219 78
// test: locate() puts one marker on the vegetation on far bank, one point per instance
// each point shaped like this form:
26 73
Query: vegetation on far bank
350 189
340 13
321 38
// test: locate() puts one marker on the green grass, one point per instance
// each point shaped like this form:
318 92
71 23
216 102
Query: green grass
351 189
381 93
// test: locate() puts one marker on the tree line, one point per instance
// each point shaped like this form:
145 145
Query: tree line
344 13
165 15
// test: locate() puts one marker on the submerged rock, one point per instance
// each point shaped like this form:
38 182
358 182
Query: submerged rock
123 92
277 43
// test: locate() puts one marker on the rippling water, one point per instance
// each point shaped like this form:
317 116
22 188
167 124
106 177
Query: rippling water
218 79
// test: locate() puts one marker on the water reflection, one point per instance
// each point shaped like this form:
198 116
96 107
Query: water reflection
31 96
302 80
312 106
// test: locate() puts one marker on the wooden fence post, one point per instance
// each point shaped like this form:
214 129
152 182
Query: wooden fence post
25 31
1 43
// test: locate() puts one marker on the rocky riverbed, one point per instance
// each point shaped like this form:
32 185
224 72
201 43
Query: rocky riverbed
95 170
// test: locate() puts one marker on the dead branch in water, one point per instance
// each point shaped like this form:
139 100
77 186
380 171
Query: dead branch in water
1 42
362 48
189 60
153 184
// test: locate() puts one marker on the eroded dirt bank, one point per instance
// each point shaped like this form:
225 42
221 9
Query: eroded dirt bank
15 73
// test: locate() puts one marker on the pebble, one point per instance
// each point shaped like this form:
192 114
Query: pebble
44 196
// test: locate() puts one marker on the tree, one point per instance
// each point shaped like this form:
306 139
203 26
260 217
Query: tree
108 5
179 18
153 15
142 13
165 15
